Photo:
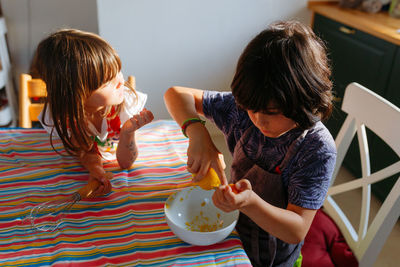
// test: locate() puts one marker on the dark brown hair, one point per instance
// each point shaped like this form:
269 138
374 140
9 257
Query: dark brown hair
285 65
73 64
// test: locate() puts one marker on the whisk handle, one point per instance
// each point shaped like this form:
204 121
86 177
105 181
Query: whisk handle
91 186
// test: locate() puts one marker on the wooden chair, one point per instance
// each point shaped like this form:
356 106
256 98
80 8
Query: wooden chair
366 109
131 81
31 92
34 90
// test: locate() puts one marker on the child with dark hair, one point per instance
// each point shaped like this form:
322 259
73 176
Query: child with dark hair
88 105
283 155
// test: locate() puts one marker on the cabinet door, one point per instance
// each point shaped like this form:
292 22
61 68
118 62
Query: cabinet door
381 155
355 57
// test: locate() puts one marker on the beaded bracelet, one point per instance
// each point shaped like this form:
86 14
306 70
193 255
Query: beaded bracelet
187 122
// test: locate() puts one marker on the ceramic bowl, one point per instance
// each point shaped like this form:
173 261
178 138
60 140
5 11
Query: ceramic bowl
193 217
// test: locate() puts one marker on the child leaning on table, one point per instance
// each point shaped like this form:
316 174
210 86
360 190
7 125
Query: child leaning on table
283 156
87 105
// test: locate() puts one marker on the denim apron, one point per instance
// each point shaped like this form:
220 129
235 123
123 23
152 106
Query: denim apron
262 248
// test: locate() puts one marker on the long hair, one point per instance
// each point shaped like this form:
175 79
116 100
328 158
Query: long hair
73 64
285 65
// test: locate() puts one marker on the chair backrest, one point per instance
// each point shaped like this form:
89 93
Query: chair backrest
31 89
31 92
367 109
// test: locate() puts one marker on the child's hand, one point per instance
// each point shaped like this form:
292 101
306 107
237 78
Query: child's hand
203 155
225 199
137 121
104 186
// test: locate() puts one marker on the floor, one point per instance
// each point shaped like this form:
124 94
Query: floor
390 254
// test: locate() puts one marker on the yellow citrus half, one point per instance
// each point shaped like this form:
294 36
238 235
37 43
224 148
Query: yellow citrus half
210 181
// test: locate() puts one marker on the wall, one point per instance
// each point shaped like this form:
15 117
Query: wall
161 42
29 21
186 42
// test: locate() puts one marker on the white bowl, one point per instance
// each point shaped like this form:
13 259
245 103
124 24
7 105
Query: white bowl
193 217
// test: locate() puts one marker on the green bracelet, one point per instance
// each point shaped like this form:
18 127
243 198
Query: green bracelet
187 122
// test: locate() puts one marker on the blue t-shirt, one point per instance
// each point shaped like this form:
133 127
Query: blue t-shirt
306 178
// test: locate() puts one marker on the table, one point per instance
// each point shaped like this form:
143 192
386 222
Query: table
124 228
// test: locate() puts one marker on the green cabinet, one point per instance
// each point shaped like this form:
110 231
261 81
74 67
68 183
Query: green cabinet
382 155
393 91
360 57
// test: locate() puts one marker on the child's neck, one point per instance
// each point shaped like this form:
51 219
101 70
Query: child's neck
96 118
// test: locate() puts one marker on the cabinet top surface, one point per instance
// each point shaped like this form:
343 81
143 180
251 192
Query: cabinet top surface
380 24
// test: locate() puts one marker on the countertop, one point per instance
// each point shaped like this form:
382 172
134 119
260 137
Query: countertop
379 24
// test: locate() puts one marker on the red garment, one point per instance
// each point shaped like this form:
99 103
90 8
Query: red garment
325 245
113 125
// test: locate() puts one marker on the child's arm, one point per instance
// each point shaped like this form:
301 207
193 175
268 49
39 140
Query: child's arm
290 225
93 162
127 151
184 103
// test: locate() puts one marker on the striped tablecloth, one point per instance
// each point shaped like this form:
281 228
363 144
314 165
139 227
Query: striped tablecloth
125 228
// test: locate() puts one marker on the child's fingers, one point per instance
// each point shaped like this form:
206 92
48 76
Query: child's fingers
234 188
200 169
104 186
194 168
223 199
140 118
218 200
219 168
98 192
221 174
144 117
243 184
107 187
190 161
222 160
134 121
109 175
148 115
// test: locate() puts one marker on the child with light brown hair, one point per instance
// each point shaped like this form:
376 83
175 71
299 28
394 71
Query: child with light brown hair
88 105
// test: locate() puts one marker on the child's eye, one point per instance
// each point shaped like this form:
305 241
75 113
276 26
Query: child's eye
271 111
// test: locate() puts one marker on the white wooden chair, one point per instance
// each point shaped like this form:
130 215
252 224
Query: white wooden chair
366 109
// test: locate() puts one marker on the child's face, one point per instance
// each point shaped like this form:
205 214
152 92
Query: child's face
111 93
271 123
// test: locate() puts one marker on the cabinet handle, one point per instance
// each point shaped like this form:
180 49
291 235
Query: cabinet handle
347 30
337 99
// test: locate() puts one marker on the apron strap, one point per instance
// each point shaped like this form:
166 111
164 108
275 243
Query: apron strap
291 151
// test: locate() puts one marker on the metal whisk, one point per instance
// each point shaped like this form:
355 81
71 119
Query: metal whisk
47 216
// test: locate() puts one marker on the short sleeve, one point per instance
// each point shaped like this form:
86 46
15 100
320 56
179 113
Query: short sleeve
312 170
220 108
